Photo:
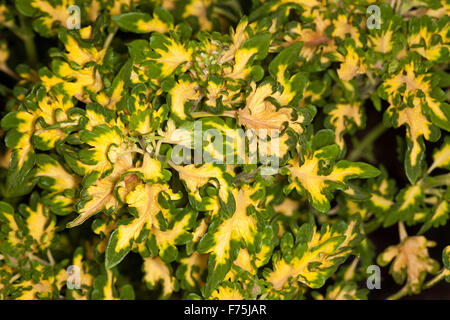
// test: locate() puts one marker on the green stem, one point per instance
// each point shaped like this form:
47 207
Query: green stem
441 275
367 141
200 114
110 38
441 180
27 37
403 292
203 114
30 48
14 29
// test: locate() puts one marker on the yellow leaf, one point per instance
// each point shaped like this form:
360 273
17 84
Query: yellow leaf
155 270
410 261
224 292
322 249
40 227
351 66
196 177
261 114
100 193
341 115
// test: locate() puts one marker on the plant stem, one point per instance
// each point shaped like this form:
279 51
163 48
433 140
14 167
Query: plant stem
431 200
41 261
50 257
202 114
14 277
403 292
367 141
158 146
110 38
30 48
441 275
25 33
349 274
9 72
27 37
402 231
441 180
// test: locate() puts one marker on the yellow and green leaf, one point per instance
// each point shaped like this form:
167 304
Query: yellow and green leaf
410 262
315 257
226 235
311 178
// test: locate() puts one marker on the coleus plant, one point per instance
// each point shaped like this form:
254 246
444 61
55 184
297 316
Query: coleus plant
95 207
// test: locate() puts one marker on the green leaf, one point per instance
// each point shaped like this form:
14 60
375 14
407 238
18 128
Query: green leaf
140 22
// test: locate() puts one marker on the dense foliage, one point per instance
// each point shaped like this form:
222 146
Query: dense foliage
94 111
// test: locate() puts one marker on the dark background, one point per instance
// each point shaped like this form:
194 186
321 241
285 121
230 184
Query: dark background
385 151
